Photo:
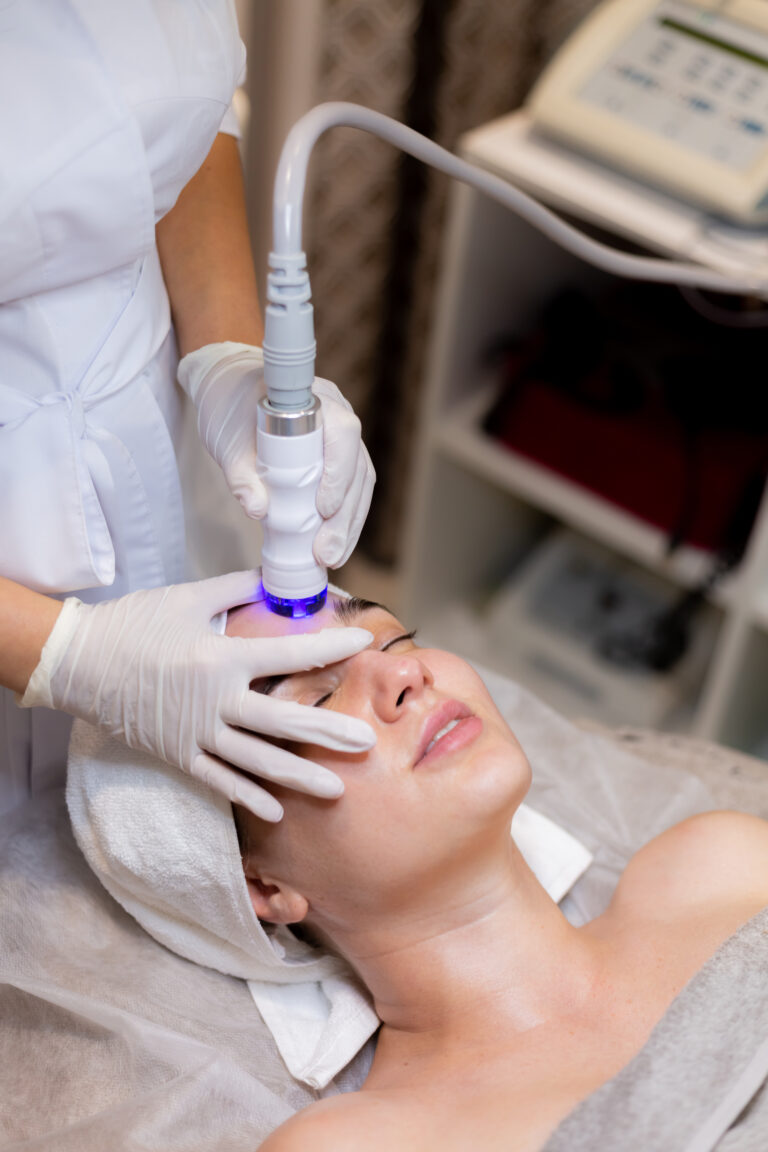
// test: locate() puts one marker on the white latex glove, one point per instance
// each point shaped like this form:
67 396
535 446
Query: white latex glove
150 668
225 382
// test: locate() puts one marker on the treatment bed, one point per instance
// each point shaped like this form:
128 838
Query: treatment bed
109 1040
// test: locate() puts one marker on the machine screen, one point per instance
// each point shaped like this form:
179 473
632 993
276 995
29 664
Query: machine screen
742 53
691 76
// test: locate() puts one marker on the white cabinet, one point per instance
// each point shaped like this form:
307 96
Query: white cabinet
478 509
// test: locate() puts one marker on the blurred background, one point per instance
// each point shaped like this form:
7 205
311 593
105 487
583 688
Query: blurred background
570 468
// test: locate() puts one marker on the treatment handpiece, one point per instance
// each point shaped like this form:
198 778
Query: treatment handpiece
289 445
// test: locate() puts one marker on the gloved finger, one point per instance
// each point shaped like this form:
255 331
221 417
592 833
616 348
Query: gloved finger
223 592
341 448
333 540
276 764
327 390
282 655
217 416
246 485
360 513
236 788
288 720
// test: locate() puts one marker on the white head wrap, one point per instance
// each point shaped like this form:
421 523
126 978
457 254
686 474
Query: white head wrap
166 848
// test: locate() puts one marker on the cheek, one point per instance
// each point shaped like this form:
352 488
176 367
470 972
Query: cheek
452 674
342 763
347 855
371 796
373 847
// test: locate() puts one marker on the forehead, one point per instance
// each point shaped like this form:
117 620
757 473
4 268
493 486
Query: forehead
257 620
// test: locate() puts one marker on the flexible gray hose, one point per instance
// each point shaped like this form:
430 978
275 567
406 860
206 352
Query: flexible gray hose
291 179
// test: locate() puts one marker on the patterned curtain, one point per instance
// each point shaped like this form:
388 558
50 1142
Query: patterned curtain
375 218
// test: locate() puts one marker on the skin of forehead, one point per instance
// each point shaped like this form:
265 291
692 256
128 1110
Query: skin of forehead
257 620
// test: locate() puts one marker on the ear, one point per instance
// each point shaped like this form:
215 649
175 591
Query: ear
275 901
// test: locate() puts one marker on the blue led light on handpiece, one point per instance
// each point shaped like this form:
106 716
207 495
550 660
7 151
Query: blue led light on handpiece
295 609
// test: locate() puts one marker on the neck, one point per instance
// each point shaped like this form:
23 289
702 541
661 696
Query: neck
499 957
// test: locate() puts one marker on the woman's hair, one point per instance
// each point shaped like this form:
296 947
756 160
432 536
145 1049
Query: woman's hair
243 832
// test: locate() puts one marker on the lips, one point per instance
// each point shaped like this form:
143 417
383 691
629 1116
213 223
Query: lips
445 714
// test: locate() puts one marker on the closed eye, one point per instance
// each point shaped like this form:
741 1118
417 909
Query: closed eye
399 640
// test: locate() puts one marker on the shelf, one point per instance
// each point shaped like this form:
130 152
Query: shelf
459 437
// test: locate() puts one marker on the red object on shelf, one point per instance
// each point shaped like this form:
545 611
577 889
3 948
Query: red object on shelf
638 461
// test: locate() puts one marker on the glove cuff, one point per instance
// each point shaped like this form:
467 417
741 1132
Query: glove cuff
195 366
38 692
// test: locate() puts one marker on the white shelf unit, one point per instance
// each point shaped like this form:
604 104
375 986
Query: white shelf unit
478 507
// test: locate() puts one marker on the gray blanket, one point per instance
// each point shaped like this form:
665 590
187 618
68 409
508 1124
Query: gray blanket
701 1081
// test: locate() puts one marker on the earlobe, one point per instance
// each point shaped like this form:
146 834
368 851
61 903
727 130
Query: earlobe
276 903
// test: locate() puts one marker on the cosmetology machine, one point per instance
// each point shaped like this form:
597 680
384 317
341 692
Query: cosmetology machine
676 92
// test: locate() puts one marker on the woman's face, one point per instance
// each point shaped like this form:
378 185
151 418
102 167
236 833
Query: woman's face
439 786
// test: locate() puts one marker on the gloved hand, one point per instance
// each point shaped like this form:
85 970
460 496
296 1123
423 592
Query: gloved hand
150 668
225 382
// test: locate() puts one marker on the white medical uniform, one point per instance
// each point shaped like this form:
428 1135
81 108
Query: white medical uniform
107 109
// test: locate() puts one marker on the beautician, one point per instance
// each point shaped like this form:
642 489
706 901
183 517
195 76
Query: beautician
124 246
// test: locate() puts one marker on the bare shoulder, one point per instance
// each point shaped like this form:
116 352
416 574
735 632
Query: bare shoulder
336 1124
716 858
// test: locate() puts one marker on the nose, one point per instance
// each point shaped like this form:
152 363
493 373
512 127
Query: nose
394 681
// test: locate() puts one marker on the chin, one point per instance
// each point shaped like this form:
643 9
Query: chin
497 782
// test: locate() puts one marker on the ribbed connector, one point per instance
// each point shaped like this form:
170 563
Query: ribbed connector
289 334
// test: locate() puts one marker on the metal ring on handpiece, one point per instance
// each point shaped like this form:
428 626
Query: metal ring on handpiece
283 422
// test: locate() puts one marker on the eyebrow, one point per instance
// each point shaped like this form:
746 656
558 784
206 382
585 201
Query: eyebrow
346 612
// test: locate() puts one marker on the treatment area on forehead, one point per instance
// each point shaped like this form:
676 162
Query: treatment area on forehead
253 620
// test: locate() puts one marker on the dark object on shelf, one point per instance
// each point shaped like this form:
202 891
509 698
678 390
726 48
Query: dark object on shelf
638 399
665 637
635 397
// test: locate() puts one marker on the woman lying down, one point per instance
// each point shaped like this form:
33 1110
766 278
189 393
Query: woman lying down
498 1016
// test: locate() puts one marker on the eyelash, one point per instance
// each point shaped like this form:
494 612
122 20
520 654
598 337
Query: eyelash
390 644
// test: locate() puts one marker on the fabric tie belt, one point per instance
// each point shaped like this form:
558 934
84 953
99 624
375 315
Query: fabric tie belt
67 472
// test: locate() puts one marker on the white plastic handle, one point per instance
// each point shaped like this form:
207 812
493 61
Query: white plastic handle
291 467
